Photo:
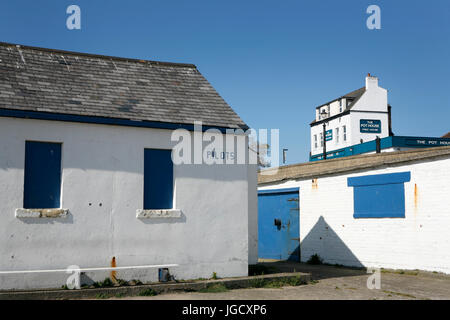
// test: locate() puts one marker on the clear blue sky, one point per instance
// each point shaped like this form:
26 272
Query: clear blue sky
272 61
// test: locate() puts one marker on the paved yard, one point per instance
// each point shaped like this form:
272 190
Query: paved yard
335 283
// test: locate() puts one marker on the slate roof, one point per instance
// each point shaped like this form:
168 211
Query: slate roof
71 83
315 169
354 95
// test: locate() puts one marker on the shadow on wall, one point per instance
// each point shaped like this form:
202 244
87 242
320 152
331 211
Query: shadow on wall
325 242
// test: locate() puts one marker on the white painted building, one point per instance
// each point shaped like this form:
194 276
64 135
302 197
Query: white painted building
357 117
388 210
89 138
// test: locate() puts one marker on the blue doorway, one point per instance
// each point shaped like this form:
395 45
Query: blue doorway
278 224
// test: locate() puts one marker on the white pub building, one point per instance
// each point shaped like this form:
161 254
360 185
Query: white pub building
352 123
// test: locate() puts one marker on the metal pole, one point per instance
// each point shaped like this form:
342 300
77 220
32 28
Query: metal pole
324 142
284 155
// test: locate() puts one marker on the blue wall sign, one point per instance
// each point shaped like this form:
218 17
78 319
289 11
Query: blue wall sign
370 126
429 142
329 135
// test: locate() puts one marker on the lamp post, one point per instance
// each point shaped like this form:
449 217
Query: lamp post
324 114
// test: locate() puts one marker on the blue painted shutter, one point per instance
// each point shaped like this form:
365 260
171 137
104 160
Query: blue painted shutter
158 179
380 195
42 188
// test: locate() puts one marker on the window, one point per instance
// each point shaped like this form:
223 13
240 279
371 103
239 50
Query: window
337 135
321 139
340 105
344 131
380 195
315 141
158 179
42 186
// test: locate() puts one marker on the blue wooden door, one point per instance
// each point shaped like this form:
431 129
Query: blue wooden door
278 224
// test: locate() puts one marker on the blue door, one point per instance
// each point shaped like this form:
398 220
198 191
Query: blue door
278 224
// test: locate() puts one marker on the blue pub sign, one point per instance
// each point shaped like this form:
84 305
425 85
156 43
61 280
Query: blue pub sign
329 135
370 126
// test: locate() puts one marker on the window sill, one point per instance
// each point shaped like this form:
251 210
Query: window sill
158 213
41 213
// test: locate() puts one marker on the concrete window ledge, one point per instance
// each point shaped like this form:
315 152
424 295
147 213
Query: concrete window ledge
152 214
41 213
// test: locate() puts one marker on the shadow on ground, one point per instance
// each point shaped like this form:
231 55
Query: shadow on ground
317 272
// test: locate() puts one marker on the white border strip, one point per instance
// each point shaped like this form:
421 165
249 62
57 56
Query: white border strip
91 269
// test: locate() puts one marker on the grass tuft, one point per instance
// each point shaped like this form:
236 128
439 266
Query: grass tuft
214 288
148 293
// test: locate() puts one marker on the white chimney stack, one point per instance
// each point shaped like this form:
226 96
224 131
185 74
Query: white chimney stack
371 82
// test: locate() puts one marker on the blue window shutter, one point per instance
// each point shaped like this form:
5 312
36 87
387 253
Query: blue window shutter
158 179
42 188
379 196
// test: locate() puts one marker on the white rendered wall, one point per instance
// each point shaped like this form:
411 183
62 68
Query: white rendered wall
356 136
102 186
419 241
332 125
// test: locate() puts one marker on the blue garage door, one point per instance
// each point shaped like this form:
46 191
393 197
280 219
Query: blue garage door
278 224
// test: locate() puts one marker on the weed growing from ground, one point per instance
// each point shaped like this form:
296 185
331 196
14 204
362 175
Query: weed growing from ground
214 288
148 292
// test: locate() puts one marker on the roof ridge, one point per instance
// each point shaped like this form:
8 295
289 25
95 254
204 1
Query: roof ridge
100 56
347 95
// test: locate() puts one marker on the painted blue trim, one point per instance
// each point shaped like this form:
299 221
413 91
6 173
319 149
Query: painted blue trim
286 190
103 120
376 179
385 143
391 214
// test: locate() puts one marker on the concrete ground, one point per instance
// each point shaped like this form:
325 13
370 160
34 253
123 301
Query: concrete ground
331 282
